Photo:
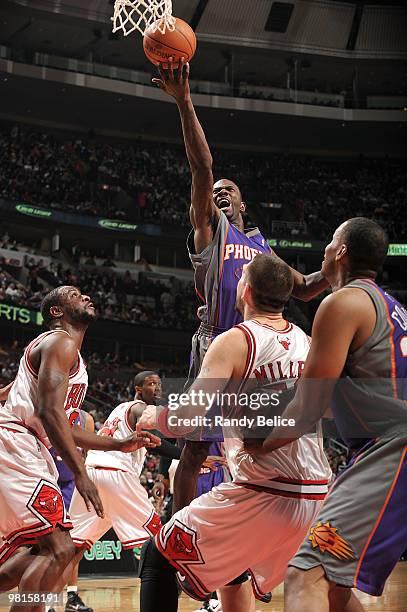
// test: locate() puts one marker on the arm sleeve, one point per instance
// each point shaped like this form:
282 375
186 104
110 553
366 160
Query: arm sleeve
167 449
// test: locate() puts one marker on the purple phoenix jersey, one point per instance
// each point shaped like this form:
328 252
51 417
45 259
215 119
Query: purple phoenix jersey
218 270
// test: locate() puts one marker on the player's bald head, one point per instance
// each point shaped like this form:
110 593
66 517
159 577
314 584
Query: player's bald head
224 182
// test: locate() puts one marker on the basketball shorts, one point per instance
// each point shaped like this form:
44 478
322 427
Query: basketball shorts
127 509
201 342
233 529
31 504
361 531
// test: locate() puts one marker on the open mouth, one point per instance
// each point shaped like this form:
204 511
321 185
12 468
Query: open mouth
223 203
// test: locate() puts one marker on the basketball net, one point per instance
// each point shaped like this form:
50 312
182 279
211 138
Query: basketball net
130 15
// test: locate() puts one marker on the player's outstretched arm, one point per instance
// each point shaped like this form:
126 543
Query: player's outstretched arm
203 213
58 355
336 324
223 361
91 441
308 286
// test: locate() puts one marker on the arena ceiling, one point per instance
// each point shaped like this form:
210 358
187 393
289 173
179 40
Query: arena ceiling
81 29
27 30
82 109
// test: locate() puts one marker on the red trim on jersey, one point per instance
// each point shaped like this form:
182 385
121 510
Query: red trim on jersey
289 326
28 428
257 592
249 348
79 543
280 493
27 359
128 544
251 354
110 469
6 552
35 343
251 343
126 415
29 366
22 531
31 533
199 295
299 482
77 367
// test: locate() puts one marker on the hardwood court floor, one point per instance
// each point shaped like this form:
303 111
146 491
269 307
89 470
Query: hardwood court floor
108 594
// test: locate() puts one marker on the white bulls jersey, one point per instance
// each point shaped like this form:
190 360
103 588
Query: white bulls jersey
277 356
22 401
117 426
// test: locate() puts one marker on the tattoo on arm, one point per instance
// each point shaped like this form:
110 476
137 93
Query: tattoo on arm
54 378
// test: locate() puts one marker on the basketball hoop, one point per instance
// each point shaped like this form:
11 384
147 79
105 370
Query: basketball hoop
130 15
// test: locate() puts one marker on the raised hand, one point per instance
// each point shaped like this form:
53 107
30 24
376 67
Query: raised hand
174 81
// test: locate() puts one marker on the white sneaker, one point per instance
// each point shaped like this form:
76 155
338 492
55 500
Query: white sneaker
213 605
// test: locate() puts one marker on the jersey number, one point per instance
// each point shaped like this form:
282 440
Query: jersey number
75 396
109 429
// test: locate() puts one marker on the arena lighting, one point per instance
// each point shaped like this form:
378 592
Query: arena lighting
271 205
397 250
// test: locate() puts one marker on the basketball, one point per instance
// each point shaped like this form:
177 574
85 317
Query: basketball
181 42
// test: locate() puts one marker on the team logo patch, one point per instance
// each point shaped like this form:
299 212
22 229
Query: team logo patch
48 504
326 537
153 524
181 545
285 342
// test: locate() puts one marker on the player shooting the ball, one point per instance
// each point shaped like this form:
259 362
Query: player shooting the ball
219 247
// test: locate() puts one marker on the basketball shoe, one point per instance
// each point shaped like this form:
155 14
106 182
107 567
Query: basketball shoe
75 604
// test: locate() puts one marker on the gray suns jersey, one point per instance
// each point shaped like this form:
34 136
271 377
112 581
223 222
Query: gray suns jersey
218 270
370 398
